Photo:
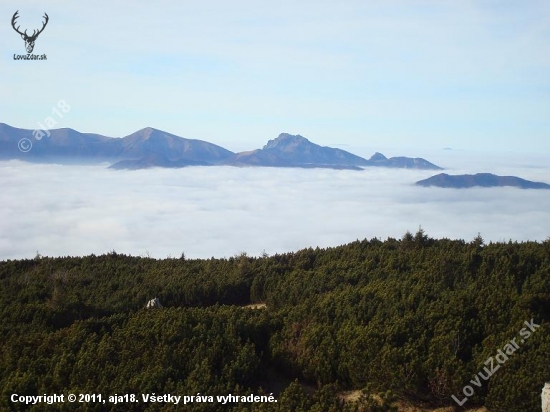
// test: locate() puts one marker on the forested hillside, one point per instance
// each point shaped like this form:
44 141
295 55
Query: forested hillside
415 316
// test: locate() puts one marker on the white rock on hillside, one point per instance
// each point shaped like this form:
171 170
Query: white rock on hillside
545 396
153 303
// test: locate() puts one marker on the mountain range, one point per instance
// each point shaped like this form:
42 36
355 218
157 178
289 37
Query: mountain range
480 179
154 148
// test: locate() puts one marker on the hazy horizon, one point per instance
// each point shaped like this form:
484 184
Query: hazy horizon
409 150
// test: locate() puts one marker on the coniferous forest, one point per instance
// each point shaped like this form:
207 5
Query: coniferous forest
413 318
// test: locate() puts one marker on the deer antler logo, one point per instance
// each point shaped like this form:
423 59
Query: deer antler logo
29 40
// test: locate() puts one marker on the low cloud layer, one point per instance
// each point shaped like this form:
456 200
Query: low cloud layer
221 211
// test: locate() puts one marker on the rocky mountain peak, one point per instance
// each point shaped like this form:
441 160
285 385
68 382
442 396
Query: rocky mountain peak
378 157
286 141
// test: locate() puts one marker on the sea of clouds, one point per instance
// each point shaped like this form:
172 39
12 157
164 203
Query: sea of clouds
60 210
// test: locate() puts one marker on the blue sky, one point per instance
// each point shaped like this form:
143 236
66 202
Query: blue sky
402 74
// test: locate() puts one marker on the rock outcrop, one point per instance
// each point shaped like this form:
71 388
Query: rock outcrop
153 303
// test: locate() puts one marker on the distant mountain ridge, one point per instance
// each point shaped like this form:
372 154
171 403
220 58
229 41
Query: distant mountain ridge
480 179
146 141
150 147
296 151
